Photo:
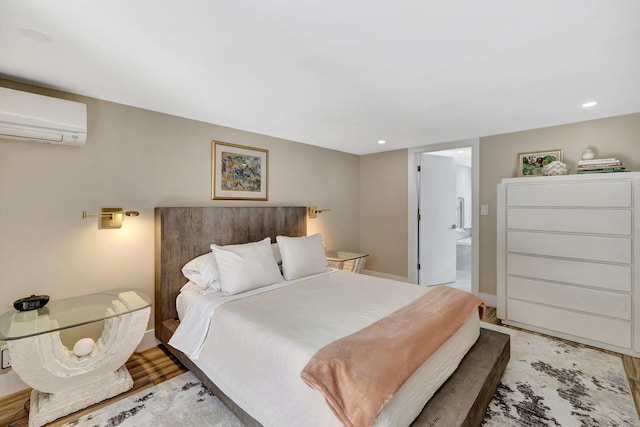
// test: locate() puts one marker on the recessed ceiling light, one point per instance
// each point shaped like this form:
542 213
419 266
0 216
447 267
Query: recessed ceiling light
589 104
382 141
36 35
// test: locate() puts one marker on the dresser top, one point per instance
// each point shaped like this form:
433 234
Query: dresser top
620 176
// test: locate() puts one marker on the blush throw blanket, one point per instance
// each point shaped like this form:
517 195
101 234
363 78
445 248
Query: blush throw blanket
360 373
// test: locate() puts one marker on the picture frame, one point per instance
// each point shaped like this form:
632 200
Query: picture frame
239 172
531 163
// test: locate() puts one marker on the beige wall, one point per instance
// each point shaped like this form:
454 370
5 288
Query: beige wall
383 211
612 137
138 159
383 180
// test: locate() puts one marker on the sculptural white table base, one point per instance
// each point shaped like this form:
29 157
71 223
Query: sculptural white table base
63 382
46 407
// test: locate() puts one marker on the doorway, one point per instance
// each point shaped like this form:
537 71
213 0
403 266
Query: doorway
458 241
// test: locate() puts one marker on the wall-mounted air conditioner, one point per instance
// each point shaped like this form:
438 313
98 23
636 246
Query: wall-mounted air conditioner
30 117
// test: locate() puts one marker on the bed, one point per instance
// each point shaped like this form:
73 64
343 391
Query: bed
256 396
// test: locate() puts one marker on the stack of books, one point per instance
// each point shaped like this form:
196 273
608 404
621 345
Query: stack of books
600 166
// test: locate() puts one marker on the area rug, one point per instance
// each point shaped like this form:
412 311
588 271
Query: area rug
546 383
180 401
550 382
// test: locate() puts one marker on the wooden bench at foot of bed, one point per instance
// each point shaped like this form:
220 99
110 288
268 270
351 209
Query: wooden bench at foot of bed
461 401
463 398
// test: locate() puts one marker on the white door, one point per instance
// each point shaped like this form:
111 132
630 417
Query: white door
437 225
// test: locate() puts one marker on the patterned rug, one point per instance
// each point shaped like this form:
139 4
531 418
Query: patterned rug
181 401
547 383
550 382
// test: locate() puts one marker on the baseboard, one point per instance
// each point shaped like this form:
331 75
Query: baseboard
489 300
148 340
11 382
385 276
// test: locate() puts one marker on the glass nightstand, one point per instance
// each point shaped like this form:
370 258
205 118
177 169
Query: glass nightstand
64 382
345 260
70 312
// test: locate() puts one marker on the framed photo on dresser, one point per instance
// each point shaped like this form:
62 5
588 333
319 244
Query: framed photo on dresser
531 163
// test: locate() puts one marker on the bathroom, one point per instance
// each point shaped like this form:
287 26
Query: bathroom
463 221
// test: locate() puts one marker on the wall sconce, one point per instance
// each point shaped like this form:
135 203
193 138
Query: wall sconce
110 217
314 211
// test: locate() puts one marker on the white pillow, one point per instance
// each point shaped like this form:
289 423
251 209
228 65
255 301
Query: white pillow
276 252
245 267
302 256
202 271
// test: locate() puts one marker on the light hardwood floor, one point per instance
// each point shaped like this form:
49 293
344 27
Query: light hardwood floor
156 365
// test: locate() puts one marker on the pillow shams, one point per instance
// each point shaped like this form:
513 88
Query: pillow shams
245 267
202 271
302 256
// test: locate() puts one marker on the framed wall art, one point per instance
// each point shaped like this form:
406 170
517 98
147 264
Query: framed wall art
531 164
239 172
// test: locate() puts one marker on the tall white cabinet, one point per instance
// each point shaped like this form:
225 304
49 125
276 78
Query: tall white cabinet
568 252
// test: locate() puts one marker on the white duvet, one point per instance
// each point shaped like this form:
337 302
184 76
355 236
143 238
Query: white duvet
253 346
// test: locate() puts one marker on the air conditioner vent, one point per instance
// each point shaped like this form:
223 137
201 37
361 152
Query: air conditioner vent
30 117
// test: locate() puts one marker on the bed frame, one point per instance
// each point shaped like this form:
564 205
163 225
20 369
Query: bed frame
181 234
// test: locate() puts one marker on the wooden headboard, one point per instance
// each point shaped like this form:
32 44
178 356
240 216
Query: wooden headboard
183 233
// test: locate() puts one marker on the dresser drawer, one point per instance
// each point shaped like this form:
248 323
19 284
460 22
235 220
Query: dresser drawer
596 248
574 194
605 276
594 301
593 221
610 331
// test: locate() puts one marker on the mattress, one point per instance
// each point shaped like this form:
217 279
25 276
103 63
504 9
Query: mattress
253 347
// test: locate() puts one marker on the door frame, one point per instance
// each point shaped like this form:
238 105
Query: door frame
412 220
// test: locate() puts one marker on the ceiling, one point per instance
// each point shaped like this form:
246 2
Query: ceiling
462 155
337 74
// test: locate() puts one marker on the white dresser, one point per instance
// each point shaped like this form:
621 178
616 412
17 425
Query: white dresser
568 251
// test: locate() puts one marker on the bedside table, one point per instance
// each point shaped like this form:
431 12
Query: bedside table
63 382
345 260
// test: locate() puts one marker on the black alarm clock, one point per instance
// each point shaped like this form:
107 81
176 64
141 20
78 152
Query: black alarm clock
33 302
